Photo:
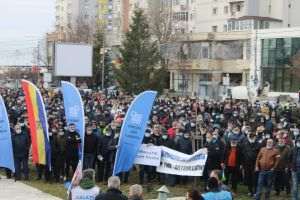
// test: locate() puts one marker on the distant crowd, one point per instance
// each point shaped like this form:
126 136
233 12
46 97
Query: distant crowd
256 144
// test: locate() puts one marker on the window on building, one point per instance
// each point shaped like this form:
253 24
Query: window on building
225 28
215 11
180 16
183 81
205 77
229 27
238 8
204 52
226 10
267 25
214 28
290 5
270 9
237 25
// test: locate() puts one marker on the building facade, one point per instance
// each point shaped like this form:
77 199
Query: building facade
276 59
71 14
200 63
222 45
240 15
115 18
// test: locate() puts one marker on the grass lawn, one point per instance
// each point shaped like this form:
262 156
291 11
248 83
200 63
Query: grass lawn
149 190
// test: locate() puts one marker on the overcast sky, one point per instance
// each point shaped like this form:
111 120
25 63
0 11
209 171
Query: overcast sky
22 24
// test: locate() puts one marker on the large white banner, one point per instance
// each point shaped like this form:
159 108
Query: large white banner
177 163
148 155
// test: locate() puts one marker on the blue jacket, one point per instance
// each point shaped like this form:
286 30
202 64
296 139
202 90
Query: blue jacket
219 195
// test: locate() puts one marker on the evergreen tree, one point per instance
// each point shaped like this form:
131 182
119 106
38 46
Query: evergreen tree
97 59
140 68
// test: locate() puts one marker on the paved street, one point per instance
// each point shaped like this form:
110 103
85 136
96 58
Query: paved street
9 189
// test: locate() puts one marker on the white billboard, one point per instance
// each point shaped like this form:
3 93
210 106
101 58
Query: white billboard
73 60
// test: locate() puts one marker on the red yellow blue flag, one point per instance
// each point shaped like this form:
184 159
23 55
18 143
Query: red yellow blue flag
41 152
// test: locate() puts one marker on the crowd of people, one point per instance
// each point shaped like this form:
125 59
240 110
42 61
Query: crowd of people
256 144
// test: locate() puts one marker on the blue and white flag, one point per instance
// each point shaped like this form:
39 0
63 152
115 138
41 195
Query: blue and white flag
6 149
74 111
133 130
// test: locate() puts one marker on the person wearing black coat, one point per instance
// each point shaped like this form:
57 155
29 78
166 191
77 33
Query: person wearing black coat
215 152
72 150
57 142
295 167
215 155
144 170
21 145
113 192
105 152
184 145
169 180
90 148
250 149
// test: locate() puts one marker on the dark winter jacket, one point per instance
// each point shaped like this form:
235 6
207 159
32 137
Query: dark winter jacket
283 160
184 145
111 194
21 145
104 147
72 145
295 159
168 143
90 144
215 154
57 143
249 153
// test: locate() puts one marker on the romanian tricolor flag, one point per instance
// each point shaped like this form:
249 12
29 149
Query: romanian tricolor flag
41 152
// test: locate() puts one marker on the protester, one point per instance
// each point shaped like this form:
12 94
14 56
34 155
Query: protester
58 154
250 148
232 163
193 195
90 148
266 162
21 145
220 176
282 170
113 192
72 150
214 192
215 154
135 192
87 188
295 165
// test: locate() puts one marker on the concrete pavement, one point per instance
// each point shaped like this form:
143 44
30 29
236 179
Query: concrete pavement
11 190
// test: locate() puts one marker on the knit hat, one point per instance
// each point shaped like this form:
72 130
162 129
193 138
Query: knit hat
88 179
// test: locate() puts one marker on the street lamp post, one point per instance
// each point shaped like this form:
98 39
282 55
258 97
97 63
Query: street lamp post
102 65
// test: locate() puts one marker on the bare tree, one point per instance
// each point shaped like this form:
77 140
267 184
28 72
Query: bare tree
82 31
160 19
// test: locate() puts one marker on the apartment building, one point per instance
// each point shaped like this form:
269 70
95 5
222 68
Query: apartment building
72 13
276 59
219 45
